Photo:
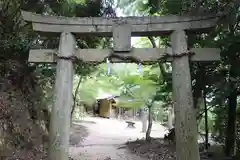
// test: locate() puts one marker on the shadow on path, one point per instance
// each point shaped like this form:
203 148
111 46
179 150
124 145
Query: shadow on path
77 135
102 140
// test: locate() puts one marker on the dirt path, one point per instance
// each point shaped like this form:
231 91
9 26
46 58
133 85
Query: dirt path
106 139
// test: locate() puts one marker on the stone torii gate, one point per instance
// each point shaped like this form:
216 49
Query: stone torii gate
121 29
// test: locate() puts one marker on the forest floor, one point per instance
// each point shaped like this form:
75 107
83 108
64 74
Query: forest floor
105 139
110 139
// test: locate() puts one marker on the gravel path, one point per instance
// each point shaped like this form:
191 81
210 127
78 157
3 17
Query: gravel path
106 139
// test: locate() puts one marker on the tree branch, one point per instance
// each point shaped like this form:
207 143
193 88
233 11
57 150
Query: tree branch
201 114
75 95
152 42
161 67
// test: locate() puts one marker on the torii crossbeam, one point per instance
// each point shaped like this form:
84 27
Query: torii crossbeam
121 29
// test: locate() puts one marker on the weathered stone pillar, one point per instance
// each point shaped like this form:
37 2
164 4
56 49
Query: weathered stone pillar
122 36
61 110
185 124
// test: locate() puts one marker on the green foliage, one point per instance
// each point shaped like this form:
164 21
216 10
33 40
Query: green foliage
216 79
136 89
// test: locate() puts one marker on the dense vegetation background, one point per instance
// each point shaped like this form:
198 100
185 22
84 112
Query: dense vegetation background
26 89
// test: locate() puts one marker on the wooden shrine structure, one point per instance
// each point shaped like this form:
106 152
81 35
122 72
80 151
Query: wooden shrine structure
121 29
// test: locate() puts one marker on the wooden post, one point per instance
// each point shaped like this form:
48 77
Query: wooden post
186 124
60 114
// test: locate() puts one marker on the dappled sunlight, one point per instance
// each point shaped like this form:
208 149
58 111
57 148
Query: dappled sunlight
64 96
108 135
124 80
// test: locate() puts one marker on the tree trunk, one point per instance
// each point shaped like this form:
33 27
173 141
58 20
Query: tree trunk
119 113
206 119
231 124
75 96
149 129
144 121
170 116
